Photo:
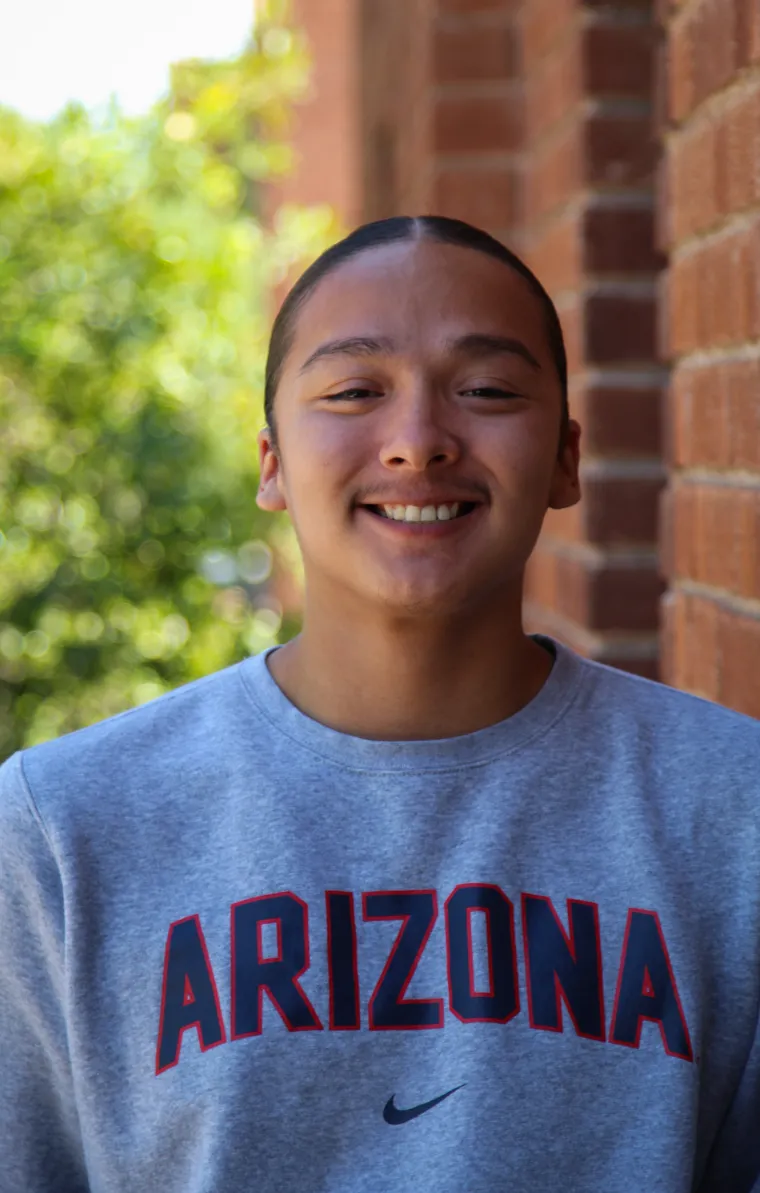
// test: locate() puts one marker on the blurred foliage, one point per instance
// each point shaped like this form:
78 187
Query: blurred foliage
135 282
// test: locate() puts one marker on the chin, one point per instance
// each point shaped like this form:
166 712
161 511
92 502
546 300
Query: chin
415 600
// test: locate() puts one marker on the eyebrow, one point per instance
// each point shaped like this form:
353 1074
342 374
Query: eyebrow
474 344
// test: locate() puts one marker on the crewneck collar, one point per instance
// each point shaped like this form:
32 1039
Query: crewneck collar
516 731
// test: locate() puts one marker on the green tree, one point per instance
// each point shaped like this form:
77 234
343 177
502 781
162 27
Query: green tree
134 303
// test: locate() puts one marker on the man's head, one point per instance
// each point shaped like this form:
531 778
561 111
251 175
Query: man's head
417 359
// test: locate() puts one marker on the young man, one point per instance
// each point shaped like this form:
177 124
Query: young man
416 902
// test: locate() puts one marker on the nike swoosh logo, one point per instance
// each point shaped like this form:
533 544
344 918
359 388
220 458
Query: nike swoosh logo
395 1117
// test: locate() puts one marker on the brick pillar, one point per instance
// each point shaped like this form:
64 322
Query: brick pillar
442 112
710 222
588 231
324 131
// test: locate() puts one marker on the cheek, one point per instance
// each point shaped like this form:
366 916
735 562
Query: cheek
317 475
523 460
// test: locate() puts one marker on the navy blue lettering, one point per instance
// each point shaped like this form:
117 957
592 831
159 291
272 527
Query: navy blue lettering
341 961
388 1009
189 996
647 988
501 1001
254 975
560 967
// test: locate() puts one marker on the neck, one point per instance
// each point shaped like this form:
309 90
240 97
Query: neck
413 679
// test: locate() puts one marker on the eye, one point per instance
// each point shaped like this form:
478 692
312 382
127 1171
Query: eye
491 391
351 395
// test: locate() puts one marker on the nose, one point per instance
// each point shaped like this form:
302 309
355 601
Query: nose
418 432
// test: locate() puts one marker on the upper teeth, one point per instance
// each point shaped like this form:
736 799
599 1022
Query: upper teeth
423 513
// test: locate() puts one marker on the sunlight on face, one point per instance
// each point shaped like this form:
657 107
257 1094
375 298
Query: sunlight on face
419 370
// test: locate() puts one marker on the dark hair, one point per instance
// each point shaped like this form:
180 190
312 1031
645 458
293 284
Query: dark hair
425 227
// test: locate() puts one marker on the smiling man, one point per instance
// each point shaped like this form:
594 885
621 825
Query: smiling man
415 902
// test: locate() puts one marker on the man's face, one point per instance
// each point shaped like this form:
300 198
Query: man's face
424 417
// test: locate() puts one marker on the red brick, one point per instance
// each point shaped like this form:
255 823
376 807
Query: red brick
600 599
620 510
739 638
663 197
681 69
748 534
556 253
666 552
716 540
484 195
473 55
620 329
752 25
694 195
705 650
619 150
555 172
619 421
719 543
683 306
700 422
660 107
620 240
667 428
682 516
705 52
625 599
717 303
683 667
669 639
743 415
739 134
618 60
602 241
554 87
477 123
715 292
544 22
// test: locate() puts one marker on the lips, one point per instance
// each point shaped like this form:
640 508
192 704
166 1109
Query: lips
423 500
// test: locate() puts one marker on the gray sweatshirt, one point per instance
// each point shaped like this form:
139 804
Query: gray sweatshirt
242 951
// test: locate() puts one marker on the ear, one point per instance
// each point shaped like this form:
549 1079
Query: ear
271 494
566 487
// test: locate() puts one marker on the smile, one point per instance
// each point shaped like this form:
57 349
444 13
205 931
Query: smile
428 521
424 513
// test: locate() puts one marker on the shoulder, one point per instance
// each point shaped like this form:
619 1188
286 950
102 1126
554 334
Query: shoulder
674 726
136 756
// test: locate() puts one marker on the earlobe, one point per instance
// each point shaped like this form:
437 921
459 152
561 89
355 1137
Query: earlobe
270 496
566 488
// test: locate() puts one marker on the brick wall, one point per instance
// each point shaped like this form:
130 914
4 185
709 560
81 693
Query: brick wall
588 231
325 130
442 110
710 226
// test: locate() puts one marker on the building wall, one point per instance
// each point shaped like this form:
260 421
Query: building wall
588 232
325 132
710 221
442 111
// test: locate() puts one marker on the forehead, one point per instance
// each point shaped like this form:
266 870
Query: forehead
426 290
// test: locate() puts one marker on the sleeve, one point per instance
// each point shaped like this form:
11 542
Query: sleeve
40 1143
733 1165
